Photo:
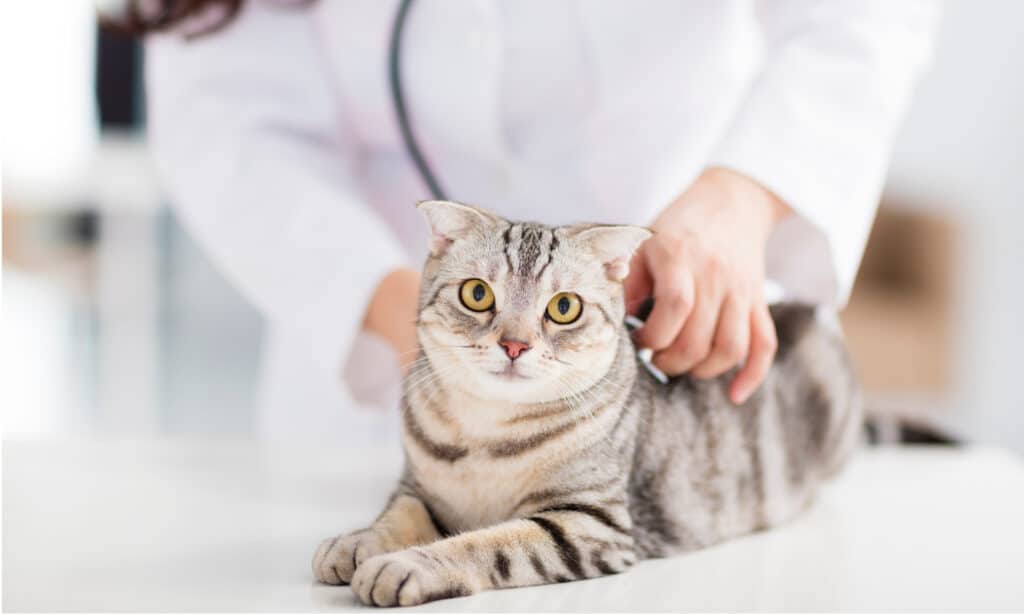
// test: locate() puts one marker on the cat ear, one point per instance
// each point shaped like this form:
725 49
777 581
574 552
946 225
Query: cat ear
614 245
450 222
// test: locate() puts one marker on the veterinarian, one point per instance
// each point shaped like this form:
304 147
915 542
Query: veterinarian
752 136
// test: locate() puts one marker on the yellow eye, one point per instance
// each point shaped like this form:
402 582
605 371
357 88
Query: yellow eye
565 308
476 295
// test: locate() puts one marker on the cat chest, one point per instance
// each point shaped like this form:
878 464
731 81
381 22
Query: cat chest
477 491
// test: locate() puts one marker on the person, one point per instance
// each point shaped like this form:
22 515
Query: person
753 137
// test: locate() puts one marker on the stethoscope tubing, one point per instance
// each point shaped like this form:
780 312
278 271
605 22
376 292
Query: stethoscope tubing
401 111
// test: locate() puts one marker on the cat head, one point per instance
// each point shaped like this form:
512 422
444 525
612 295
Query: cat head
522 312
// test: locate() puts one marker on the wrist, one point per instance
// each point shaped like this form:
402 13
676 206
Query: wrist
391 312
724 202
757 201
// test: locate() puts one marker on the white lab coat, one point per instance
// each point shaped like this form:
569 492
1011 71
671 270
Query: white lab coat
278 143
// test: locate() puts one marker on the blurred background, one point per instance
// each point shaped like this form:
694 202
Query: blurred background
114 322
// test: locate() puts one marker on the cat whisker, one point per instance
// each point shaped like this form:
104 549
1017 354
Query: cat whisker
562 362
585 396
433 373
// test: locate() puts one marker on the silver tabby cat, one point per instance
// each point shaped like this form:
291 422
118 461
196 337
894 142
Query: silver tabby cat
536 449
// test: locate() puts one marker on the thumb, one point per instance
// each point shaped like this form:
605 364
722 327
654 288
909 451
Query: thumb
638 284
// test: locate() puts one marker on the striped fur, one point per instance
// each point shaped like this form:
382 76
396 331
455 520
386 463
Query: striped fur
578 464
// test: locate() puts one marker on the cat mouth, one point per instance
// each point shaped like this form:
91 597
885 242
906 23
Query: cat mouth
509 373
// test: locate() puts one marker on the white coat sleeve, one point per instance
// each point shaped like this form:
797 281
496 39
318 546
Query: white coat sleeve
817 124
251 143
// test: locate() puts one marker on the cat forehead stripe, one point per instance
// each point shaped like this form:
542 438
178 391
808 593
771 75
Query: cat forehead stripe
528 248
509 241
551 253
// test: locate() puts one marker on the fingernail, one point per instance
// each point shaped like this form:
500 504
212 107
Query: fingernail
634 322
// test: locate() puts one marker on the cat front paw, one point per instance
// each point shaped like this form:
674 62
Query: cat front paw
337 558
407 577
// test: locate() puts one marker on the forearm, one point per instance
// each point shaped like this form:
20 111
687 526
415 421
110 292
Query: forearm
277 210
818 121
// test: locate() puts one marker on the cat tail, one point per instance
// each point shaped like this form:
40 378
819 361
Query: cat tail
888 427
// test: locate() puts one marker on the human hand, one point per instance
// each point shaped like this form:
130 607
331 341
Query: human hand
705 269
391 313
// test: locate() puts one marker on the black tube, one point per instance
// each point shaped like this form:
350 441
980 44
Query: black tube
394 69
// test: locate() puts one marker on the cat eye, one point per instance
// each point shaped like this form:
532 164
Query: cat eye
476 295
565 308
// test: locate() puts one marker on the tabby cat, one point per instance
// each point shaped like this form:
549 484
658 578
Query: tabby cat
538 451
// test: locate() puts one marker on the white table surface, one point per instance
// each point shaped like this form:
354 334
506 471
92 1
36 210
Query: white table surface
208 525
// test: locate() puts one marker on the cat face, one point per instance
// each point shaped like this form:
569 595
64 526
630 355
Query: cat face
521 312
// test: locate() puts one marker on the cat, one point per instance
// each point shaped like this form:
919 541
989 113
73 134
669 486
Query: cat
539 451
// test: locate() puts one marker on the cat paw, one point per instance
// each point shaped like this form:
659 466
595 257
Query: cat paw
337 558
408 577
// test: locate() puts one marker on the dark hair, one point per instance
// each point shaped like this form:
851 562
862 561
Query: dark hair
195 17
144 16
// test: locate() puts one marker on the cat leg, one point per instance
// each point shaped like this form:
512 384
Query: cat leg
404 522
570 543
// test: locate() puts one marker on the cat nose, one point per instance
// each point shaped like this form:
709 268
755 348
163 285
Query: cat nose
513 348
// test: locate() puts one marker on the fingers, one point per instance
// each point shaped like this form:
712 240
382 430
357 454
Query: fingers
693 344
638 284
731 341
763 343
673 301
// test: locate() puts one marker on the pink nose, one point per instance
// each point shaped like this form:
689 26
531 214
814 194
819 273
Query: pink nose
513 348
